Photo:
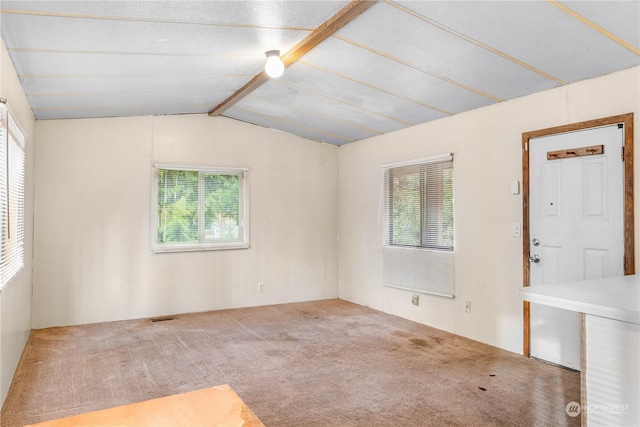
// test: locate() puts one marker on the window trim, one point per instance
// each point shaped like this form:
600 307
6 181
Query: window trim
203 245
420 164
13 132
425 269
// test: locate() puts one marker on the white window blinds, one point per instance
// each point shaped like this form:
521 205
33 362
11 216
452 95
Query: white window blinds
12 165
418 244
200 208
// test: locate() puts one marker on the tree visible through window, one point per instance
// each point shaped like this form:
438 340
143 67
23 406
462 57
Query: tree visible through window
419 202
418 246
200 209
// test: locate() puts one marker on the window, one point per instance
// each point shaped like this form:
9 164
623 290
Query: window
420 201
200 208
12 164
418 228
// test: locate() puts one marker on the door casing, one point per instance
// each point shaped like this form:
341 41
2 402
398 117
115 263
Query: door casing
629 256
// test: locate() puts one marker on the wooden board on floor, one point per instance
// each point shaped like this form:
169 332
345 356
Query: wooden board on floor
216 406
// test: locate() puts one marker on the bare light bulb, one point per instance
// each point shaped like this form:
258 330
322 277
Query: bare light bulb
274 66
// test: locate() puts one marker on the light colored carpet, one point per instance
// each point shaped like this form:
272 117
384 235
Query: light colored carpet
324 363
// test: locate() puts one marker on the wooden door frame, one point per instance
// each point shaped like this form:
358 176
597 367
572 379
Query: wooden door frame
629 256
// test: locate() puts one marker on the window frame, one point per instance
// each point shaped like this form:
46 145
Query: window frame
203 244
427 268
13 134
426 238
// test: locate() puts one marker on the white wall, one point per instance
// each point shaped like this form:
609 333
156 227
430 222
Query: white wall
93 259
92 241
15 298
487 148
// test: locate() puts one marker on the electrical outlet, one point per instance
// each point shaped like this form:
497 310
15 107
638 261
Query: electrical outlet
467 306
261 287
415 299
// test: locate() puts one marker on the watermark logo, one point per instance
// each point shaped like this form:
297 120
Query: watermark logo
573 409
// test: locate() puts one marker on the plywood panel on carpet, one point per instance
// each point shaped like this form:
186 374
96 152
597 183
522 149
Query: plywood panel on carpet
213 406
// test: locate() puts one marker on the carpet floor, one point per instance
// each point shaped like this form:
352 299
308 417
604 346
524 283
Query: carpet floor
322 363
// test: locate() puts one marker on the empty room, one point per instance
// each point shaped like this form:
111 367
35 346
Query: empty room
319 213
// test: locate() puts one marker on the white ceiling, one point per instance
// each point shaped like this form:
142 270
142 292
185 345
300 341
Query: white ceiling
398 64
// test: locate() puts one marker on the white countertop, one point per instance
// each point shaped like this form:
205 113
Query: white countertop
615 298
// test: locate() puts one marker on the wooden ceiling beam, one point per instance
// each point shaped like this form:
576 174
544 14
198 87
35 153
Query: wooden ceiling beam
317 36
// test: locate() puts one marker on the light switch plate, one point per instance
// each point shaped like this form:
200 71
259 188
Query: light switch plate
515 229
515 187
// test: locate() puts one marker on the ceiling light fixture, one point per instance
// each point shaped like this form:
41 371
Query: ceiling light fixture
274 66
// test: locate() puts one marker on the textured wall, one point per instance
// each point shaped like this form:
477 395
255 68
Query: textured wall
487 147
93 259
15 298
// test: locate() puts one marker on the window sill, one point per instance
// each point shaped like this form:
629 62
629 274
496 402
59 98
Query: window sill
419 248
159 249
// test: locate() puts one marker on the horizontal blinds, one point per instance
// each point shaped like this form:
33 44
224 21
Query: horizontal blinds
222 207
420 270
4 203
418 226
403 205
12 170
438 205
201 207
177 206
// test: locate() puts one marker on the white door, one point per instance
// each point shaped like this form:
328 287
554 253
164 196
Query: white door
576 227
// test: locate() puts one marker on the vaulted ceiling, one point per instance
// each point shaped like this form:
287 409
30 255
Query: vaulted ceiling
355 70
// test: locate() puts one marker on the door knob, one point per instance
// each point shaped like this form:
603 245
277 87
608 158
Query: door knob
534 258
